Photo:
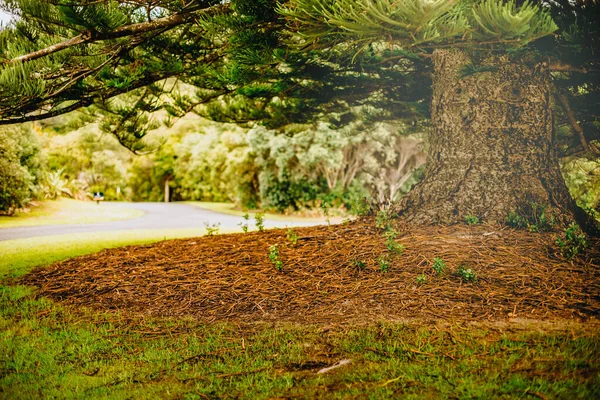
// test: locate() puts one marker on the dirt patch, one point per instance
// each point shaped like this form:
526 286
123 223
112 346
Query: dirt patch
332 274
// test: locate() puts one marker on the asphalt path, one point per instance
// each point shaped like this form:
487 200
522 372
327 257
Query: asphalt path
156 216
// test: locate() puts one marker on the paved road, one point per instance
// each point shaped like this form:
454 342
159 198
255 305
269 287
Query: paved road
157 216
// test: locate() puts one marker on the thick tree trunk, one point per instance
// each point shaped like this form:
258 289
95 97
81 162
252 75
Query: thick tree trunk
491 148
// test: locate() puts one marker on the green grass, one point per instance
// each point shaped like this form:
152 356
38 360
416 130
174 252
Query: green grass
67 211
20 255
48 350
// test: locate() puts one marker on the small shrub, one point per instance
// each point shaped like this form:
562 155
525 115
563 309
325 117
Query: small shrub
212 229
384 264
395 247
292 236
471 220
244 225
359 264
274 257
573 242
259 221
421 279
391 244
439 266
383 220
466 274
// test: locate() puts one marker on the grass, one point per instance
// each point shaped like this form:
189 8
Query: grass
229 208
49 350
68 211
20 255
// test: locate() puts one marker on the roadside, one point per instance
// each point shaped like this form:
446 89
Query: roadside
229 208
68 211
156 216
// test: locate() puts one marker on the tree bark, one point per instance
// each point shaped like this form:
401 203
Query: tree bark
491 148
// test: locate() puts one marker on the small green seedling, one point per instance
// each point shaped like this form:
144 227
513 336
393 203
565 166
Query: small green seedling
393 246
274 257
212 229
359 264
292 236
325 207
259 221
573 242
384 264
421 279
466 274
244 225
383 220
471 220
439 266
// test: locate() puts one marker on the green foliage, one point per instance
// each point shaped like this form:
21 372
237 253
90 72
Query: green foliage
471 219
359 264
391 244
466 274
439 266
506 21
532 216
53 185
20 168
259 221
215 164
582 176
212 229
384 264
573 242
292 236
421 279
274 257
244 225
383 220
417 22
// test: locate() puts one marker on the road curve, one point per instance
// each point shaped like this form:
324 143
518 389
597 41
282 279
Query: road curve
156 216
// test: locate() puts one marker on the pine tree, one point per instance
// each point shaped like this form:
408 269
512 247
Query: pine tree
247 60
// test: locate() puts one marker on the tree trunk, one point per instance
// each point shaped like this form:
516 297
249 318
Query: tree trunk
167 191
491 148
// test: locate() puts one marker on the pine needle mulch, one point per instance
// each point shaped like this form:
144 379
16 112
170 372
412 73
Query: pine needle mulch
231 278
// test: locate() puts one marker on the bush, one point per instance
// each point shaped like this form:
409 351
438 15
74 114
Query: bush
20 167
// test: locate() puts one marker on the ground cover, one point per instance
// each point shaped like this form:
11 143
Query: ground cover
344 273
68 211
195 330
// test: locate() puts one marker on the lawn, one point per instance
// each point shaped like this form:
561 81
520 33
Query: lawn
20 255
68 211
51 350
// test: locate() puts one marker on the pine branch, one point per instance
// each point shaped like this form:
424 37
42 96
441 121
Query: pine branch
128 30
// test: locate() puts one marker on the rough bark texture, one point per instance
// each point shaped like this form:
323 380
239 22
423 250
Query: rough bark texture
491 148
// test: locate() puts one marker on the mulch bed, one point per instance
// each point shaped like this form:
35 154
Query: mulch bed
231 278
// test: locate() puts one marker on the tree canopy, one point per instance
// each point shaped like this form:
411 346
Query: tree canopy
241 57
